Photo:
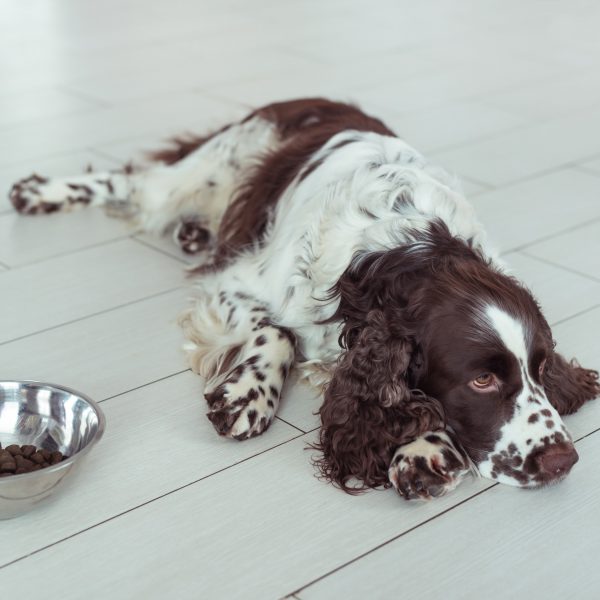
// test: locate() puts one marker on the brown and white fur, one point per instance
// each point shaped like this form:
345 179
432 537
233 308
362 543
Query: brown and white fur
328 243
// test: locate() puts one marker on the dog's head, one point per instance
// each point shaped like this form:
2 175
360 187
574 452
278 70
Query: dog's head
434 323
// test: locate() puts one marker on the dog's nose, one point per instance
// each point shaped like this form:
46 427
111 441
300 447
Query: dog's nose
557 460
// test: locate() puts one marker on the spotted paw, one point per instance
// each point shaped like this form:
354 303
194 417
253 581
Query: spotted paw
39 195
242 406
192 236
26 196
428 467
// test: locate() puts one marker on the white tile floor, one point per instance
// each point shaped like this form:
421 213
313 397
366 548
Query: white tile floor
506 93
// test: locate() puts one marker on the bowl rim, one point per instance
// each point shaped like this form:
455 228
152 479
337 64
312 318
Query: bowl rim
72 459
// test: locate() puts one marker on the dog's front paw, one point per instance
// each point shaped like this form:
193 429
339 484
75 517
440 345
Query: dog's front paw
428 467
242 407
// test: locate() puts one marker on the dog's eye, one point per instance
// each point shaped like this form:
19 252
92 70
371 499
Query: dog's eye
485 382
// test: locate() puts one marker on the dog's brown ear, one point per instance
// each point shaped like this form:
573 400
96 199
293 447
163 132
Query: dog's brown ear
369 409
568 385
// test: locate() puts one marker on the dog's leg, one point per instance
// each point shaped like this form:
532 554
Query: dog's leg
187 198
39 195
245 359
428 467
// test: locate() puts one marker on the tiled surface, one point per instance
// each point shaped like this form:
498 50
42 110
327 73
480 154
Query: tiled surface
505 94
491 536
541 207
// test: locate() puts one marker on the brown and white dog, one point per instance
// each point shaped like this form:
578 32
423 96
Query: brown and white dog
329 243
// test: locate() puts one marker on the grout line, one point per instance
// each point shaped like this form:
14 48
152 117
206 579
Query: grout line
583 169
38 261
535 175
160 250
290 424
587 434
476 140
148 502
558 266
143 385
550 236
488 187
100 312
32 121
77 149
65 89
577 314
375 548
393 539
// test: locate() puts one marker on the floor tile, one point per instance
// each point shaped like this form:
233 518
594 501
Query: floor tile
55 234
157 440
520 214
106 354
562 294
233 66
70 287
240 516
529 151
335 81
551 98
454 124
460 82
578 250
592 165
299 404
483 553
43 104
165 115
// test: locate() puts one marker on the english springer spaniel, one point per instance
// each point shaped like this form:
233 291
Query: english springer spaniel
329 243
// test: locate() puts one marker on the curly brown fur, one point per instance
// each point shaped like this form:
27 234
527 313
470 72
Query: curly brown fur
568 385
369 411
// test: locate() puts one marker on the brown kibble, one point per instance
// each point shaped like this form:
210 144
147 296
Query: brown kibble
16 460
14 449
24 463
37 457
8 467
27 450
56 457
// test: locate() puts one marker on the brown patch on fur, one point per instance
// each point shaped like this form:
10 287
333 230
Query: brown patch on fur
304 126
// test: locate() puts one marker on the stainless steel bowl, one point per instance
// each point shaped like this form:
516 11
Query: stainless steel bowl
47 416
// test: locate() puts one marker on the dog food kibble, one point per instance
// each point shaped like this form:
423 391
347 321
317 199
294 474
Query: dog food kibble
15 460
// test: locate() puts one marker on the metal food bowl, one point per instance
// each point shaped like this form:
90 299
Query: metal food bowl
51 417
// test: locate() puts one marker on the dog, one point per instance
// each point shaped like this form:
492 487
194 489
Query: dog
327 243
